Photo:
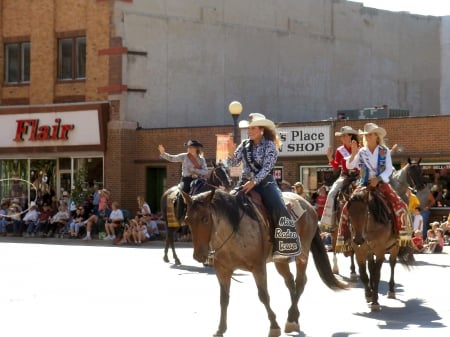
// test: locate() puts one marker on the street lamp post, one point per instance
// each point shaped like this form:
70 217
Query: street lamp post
235 109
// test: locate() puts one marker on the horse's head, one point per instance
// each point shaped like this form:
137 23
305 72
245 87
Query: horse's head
199 219
219 177
415 175
358 212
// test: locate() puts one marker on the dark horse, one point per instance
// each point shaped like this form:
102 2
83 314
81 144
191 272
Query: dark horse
217 178
235 234
372 236
409 175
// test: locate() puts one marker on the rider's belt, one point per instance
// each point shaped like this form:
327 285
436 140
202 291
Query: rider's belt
194 176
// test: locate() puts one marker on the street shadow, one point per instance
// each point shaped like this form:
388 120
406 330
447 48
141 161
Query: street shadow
400 317
193 269
425 263
201 270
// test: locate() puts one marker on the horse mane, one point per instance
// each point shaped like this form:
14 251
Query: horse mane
228 207
376 204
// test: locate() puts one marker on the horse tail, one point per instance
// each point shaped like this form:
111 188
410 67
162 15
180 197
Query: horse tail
323 265
406 257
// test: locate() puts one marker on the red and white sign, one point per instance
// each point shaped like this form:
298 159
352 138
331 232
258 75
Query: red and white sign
50 129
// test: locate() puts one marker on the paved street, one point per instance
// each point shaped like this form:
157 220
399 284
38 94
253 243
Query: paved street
68 288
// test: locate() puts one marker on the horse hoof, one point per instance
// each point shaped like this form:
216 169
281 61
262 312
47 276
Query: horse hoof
391 294
335 270
177 262
375 307
291 327
275 332
166 259
353 277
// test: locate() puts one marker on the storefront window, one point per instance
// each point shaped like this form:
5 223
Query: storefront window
44 180
14 181
313 177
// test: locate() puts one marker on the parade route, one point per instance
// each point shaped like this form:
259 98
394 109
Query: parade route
95 289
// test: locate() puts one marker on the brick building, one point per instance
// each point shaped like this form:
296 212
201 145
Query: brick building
94 86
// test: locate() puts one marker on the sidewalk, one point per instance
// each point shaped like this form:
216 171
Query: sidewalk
92 243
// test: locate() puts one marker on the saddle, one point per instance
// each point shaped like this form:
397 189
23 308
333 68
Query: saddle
377 203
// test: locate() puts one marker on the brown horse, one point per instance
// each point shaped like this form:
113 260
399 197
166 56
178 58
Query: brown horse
409 175
218 177
233 232
372 236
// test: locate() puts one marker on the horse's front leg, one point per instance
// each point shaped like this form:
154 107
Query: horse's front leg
361 262
224 282
260 276
392 263
375 276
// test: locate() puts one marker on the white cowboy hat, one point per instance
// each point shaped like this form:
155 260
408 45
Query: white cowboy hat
346 130
373 128
257 119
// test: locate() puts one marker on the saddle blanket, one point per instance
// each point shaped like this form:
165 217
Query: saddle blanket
291 200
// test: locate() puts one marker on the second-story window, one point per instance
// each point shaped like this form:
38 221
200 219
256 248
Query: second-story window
72 58
17 62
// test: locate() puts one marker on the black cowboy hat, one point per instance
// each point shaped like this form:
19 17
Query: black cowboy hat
193 143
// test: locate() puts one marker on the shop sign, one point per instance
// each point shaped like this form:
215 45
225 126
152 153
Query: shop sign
302 141
68 128
32 130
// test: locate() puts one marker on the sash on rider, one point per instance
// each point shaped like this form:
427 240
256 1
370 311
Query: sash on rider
286 241
365 164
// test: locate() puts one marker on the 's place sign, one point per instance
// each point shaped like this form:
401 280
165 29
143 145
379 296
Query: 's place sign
304 141
32 130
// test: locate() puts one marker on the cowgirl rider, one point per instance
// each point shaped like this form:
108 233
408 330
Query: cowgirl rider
259 154
347 135
375 164
193 167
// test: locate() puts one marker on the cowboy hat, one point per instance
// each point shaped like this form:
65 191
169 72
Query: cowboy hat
373 128
346 130
257 119
192 142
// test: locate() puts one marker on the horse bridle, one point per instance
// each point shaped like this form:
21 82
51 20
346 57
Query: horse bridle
215 175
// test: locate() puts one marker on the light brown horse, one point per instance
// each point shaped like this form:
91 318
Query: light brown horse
373 236
235 234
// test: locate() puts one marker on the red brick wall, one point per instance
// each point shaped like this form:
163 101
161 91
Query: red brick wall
425 137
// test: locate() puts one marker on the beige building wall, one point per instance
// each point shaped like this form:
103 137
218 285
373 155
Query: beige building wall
291 60
445 66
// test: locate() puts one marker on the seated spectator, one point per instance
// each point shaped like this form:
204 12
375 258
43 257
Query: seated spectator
327 240
140 233
129 231
77 222
439 240
14 215
115 220
144 208
31 219
152 230
45 215
4 218
100 215
417 241
59 220
430 242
